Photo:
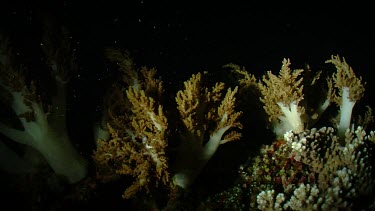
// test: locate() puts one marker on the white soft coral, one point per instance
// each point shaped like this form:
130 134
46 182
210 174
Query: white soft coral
291 119
350 90
43 131
46 137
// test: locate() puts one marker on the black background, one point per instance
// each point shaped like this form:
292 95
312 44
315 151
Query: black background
184 37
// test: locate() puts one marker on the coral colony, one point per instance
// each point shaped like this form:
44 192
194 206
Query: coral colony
307 168
314 163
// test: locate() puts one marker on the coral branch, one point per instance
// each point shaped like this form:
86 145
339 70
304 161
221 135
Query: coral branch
350 90
197 107
137 126
281 97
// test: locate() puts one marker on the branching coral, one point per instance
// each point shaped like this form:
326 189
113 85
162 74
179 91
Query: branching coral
304 167
307 168
139 128
138 131
281 97
207 116
311 169
350 90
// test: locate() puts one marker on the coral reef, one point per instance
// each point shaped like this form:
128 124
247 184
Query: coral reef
308 168
155 144
139 128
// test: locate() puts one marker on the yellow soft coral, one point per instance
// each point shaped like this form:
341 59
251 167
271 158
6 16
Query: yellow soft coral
139 128
350 90
281 96
138 138
205 113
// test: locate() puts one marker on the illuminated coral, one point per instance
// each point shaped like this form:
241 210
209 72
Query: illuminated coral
310 169
139 127
281 97
207 116
318 168
350 90
138 139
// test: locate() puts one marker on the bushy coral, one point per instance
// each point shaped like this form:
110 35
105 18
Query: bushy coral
312 170
139 129
307 168
161 141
